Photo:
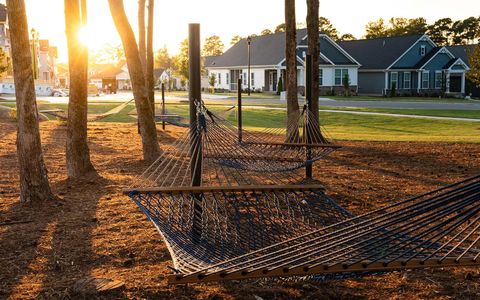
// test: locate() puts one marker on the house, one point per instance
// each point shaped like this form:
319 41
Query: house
413 64
267 64
4 31
110 77
166 76
463 51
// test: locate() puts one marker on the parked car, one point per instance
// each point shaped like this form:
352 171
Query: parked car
59 93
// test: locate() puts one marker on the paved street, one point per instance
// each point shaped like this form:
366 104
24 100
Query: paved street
226 100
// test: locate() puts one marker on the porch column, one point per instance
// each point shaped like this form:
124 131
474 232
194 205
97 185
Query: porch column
447 79
386 84
419 81
462 90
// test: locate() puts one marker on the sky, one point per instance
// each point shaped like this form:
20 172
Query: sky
227 18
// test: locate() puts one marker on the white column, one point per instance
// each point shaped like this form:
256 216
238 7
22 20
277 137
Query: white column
386 83
419 80
447 90
463 84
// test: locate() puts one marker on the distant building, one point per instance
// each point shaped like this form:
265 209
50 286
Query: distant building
110 77
268 64
414 64
4 31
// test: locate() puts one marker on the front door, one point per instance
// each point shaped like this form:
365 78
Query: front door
455 83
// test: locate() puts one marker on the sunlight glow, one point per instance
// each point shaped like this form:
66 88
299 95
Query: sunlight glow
93 41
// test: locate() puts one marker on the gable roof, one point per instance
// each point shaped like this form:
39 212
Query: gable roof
379 53
427 57
266 50
461 51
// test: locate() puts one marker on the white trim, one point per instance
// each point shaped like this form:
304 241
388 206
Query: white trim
391 81
301 61
423 73
326 58
340 49
459 61
422 38
435 80
442 50
409 80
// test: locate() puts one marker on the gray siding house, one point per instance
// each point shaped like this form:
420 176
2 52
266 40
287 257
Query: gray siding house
268 64
414 64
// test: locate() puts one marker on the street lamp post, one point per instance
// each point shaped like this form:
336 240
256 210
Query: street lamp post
249 41
34 52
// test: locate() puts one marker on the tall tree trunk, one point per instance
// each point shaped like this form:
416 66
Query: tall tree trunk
141 35
78 154
148 132
150 57
291 72
34 184
313 32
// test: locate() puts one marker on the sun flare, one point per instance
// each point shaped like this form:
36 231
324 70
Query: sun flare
89 38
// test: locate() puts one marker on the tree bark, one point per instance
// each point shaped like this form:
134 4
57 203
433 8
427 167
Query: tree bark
34 186
313 32
150 56
148 132
78 153
141 35
291 72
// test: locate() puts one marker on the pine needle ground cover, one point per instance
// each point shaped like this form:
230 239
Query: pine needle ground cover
96 231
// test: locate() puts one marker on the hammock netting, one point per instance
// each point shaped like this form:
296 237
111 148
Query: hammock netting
91 117
226 212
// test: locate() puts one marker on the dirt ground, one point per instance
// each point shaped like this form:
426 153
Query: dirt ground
96 231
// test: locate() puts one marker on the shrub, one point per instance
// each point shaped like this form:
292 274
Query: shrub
393 91
280 86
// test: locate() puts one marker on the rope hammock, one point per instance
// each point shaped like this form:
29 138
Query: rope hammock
61 114
237 224
298 144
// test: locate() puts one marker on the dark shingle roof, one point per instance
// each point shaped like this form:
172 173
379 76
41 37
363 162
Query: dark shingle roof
265 50
378 53
461 51
3 13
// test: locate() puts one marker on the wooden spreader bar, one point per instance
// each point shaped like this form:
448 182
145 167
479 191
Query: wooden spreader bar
322 269
294 144
240 188
251 157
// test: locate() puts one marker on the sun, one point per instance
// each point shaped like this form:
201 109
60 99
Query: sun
89 38
84 36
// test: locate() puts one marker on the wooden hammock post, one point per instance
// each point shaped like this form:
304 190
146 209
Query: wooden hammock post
308 129
163 104
195 136
239 116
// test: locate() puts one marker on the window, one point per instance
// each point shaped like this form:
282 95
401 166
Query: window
320 77
423 50
438 79
394 80
219 78
339 75
425 80
244 78
252 80
227 79
407 79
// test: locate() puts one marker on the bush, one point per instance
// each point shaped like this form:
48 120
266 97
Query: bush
393 91
280 86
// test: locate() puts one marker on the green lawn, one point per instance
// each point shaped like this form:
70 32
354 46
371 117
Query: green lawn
226 94
338 125
471 114
400 99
